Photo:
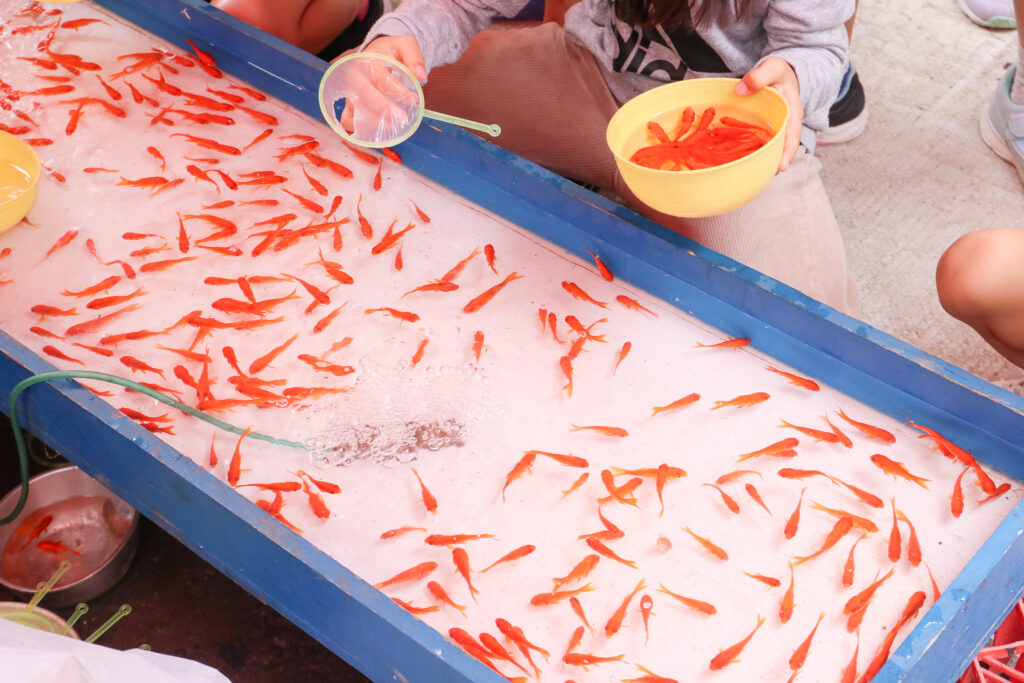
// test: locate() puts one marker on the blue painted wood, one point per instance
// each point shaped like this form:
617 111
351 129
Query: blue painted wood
348 615
866 364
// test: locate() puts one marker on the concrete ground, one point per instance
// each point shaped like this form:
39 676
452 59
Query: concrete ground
920 176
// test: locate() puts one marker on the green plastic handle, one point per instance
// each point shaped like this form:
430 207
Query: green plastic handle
492 129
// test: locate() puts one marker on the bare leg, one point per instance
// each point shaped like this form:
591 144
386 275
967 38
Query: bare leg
307 24
980 281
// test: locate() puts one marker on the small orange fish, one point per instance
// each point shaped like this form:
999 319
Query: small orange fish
56 547
753 493
744 401
136 365
861 600
38 529
429 501
897 469
839 529
708 545
796 380
692 603
779 449
479 301
617 432
404 316
461 560
577 293
418 356
615 621
870 431
521 467
816 434
913 544
634 304
63 241
478 345
858 521
601 548
734 343
729 654
727 499
786 606
44 311
623 352
767 580
495 647
850 567
586 659
235 468
678 403
454 539
646 605
957 499
606 272
554 597
412 574
800 654
441 594
491 257
392 533
576 484
794 519
520 552
413 609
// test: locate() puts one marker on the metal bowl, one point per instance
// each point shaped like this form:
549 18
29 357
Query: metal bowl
88 525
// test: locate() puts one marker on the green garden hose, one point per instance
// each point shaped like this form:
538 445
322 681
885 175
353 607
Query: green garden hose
19 439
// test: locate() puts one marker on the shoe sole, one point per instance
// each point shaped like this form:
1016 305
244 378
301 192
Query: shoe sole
844 132
995 142
991 22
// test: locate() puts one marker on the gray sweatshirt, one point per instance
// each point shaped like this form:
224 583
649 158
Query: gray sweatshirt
808 34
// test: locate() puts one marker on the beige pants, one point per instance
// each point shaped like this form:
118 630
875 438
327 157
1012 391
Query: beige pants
553 106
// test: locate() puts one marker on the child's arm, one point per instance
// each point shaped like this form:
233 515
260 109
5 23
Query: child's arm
441 28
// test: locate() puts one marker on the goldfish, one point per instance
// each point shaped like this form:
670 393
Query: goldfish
786 606
678 403
601 548
392 533
544 599
858 521
206 142
496 648
800 654
727 499
63 241
913 544
576 484
882 654
580 571
429 501
734 475
390 238
794 519
404 316
850 566
849 674
316 501
235 468
617 432
767 580
697 605
479 301
863 598
897 469
461 560
56 547
956 505
729 654
520 552
743 401
136 365
615 621
843 439
521 467
478 345
566 364
154 266
779 449
101 286
753 493
457 269
577 293
441 594
623 352
258 116
412 574
586 659
41 526
454 539
605 271
868 430
796 380
734 343
816 434
708 545
413 609
839 529
44 311
107 301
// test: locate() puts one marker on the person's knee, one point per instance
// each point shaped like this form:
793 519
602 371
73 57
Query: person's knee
977 273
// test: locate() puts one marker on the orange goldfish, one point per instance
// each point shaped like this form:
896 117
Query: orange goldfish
56 547
850 566
800 654
913 544
412 574
708 545
729 654
692 603
454 539
861 600
779 449
461 560
606 272
957 499
615 621
441 594
521 467
743 401
479 301
839 529
678 403
796 380
601 548
868 430
623 352
617 432
521 551
897 469
816 434
794 519
577 293
429 501
735 343
727 499
544 599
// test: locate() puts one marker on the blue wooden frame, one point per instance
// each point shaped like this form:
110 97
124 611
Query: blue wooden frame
358 622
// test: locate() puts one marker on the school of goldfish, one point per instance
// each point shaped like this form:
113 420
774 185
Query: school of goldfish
637 498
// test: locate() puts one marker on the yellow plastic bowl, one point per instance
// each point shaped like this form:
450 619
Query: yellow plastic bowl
19 179
706 191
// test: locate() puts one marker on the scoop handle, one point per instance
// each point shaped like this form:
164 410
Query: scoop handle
492 129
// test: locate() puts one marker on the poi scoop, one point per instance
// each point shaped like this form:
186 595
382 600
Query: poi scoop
375 101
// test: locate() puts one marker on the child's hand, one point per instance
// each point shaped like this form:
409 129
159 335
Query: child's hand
779 74
403 48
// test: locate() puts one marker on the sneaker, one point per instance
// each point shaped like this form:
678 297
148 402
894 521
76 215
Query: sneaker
989 13
1014 386
848 115
1002 125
